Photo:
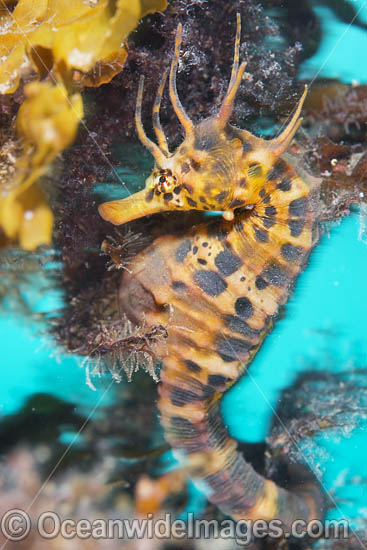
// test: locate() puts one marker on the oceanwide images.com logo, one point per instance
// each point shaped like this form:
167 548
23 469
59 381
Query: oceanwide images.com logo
16 525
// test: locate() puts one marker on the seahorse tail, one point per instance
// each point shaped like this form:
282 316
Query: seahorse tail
189 406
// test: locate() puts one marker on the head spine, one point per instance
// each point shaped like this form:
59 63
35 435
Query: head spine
207 170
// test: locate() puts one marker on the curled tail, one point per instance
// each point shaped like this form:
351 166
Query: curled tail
189 405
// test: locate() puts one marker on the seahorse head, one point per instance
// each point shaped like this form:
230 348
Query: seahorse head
217 167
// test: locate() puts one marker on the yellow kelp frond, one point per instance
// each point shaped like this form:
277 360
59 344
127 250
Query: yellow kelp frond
83 43
48 120
46 124
16 29
70 37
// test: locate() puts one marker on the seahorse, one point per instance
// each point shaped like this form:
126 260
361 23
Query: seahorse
218 286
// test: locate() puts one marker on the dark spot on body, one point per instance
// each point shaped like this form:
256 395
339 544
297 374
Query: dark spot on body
205 244
232 349
268 222
202 199
202 262
183 250
179 285
277 170
222 233
246 147
260 283
185 168
262 193
180 396
192 366
210 282
191 202
227 262
243 307
168 196
149 195
196 165
261 234
207 392
217 380
242 183
243 279
235 203
238 325
221 196
296 227
217 230
298 207
195 249
266 199
270 211
183 425
285 185
275 274
290 252
177 190
189 188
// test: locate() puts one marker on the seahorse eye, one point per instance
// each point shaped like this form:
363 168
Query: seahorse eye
164 183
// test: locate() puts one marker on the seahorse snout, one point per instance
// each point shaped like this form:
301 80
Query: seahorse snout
125 210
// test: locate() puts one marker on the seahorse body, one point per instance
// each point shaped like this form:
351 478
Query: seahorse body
219 286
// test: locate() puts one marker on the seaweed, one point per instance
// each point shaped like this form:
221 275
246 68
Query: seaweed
208 30
84 42
335 144
72 45
318 402
47 122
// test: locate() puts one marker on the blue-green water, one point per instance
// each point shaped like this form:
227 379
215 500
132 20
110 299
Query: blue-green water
324 326
32 364
340 54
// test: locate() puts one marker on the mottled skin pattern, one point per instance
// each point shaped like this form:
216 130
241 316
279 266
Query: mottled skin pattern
218 287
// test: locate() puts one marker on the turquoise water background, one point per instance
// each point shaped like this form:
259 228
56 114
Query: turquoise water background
325 322
341 52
